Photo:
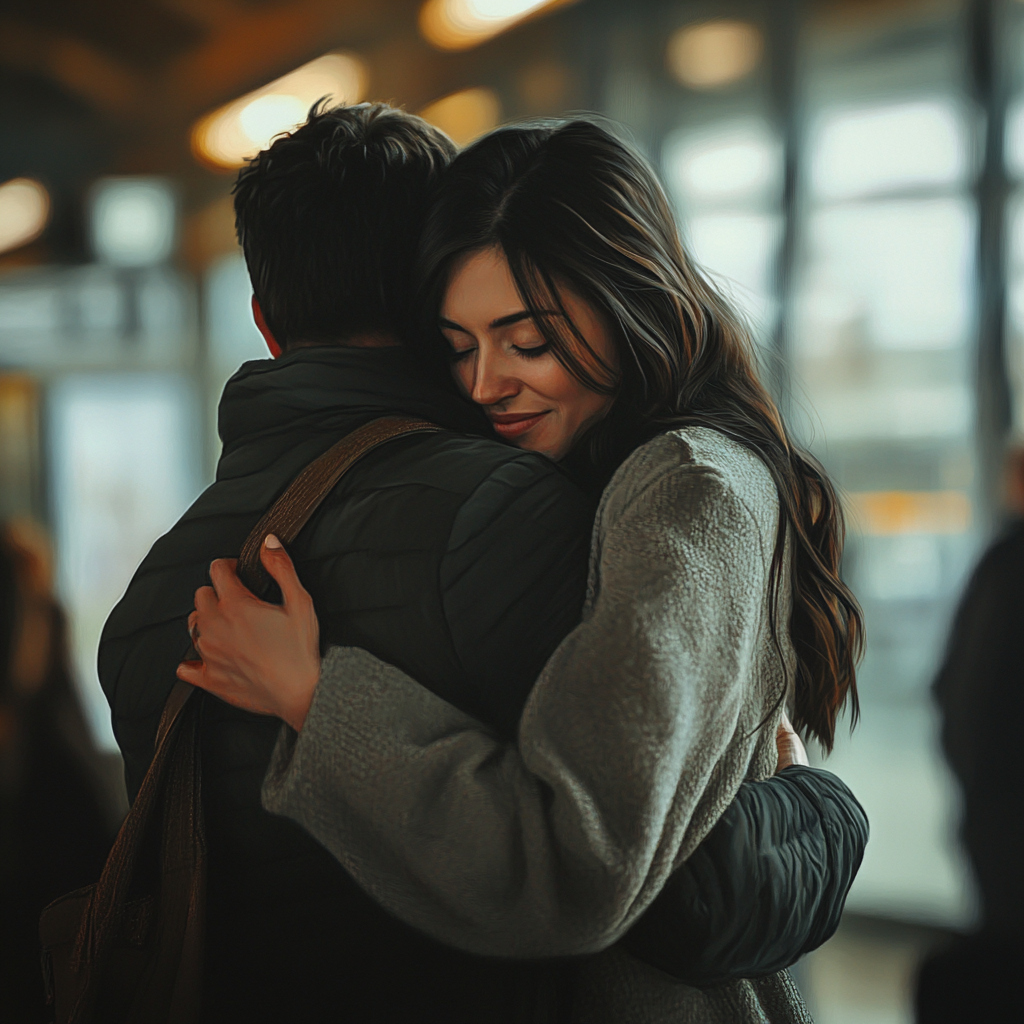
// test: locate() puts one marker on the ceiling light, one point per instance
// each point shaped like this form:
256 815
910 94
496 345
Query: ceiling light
466 115
714 54
460 24
235 133
133 221
24 211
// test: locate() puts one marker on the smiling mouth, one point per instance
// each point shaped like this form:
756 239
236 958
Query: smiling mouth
510 425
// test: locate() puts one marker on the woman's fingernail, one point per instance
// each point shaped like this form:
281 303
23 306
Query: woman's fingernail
271 541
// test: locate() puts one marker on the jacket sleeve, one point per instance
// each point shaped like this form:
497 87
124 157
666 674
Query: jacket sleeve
765 887
555 846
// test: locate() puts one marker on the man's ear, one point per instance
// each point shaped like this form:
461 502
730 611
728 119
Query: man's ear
268 335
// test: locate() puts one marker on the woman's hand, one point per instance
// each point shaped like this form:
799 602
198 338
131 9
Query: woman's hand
791 747
260 657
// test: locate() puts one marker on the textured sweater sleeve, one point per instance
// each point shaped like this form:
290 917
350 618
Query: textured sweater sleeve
557 846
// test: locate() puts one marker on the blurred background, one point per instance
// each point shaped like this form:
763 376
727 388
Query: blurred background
850 171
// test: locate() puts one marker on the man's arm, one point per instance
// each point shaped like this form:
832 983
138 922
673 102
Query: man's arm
765 887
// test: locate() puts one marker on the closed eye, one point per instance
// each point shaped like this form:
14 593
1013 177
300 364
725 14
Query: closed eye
531 351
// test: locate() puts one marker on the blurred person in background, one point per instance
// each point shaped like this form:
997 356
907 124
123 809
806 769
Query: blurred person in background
980 693
58 810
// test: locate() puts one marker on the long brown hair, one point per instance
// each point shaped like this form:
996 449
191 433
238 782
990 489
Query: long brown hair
569 204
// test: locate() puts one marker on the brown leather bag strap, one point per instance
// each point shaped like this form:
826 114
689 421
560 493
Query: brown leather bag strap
176 701
290 513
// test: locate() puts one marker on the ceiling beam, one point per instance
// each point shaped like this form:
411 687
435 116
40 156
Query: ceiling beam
82 70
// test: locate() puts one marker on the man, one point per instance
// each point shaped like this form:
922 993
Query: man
458 559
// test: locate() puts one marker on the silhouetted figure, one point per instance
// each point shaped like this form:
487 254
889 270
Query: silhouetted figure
980 691
55 812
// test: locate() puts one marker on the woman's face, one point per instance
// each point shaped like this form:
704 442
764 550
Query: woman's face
504 364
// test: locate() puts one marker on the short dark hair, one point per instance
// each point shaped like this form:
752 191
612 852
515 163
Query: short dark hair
329 217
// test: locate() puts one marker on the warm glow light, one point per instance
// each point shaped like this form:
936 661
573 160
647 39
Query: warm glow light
460 24
466 115
24 211
714 54
238 131
887 513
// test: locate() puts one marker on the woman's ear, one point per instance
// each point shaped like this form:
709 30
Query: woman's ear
268 335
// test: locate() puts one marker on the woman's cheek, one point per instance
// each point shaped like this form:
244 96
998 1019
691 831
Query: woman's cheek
463 377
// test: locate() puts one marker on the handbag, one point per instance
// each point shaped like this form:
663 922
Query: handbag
130 947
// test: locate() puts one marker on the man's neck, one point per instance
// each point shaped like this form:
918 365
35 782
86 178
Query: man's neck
371 339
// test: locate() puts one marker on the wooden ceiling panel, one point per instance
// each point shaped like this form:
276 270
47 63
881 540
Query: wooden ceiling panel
139 33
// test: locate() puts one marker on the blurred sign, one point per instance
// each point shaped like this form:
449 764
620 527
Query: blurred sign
95 316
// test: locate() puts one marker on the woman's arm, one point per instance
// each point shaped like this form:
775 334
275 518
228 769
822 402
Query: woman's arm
555 847
766 886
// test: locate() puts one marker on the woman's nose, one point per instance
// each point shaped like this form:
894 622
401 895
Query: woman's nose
492 383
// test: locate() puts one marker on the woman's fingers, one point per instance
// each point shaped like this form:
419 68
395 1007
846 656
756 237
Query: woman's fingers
224 577
191 672
790 747
278 563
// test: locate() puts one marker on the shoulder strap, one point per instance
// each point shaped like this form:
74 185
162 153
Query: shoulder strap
290 513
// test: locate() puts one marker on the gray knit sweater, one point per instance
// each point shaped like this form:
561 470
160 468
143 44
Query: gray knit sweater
635 738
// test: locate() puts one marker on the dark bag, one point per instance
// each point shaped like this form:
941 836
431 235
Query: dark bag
130 948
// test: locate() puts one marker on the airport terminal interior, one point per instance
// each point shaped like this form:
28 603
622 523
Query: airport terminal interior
850 173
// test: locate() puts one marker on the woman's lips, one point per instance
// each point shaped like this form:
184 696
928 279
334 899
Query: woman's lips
511 425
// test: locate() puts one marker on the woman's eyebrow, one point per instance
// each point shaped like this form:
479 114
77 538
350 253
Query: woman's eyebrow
502 321
523 314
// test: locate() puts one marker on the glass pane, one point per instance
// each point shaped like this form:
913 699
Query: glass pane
886 275
97 316
722 164
123 469
1015 308
885 147
738 249
233 336
1015 138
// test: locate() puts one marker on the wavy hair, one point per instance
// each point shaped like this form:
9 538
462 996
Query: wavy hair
571 206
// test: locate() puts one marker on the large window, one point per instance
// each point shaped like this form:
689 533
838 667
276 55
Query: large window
881 342
830 188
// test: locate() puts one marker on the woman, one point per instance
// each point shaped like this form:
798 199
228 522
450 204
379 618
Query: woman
560 292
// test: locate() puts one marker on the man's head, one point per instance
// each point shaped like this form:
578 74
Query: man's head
329 216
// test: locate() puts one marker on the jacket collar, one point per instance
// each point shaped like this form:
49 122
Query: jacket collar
315 387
